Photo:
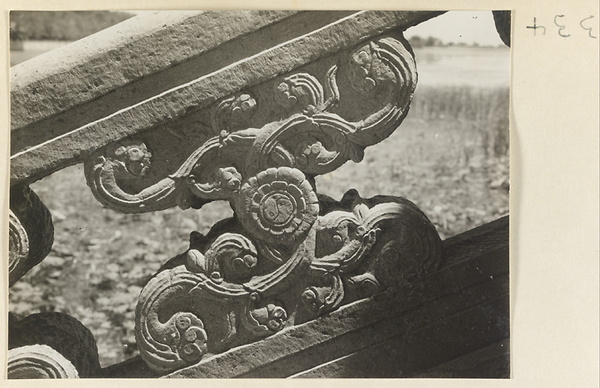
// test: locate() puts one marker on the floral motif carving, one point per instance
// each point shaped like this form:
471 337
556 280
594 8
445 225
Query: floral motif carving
302 90
355 248
309 136
288 255
125 161
278 205
232 113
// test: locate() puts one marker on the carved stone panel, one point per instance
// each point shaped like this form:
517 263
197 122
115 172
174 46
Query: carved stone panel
145 84
312 121
288 255
234 286
251 117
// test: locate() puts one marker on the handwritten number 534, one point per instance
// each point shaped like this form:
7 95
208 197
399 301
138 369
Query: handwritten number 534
562 31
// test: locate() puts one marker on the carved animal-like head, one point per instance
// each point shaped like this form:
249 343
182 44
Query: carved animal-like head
336 230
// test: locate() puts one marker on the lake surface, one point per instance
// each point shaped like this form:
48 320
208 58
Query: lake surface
457 66
33 48
437 66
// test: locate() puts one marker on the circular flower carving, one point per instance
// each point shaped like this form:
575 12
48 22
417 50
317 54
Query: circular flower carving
191 339
243 106
359 73
135 157
276 317
278 205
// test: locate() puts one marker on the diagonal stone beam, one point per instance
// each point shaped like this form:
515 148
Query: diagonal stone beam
322 34
123 65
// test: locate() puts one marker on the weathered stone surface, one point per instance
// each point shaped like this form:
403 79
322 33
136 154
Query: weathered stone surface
31 232
61 332
411 349
251 116
287 256
479 256
492 361
126 63
460 309
221 293
259 64
132 368
39 362
313 120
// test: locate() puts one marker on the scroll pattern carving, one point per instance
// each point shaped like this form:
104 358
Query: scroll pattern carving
31 232
307 135
288 255
203 304
51 345
39 362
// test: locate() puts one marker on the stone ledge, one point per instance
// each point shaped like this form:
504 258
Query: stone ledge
123 54
47 155
492 361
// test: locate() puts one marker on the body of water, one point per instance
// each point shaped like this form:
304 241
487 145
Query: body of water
437 66
468 66
33 48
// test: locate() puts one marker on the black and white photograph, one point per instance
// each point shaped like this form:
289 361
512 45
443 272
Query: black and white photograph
260 194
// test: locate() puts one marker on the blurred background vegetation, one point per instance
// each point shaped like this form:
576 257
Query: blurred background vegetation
61 25
450 156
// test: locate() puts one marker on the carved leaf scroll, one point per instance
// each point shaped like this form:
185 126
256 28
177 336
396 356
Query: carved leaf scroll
355 249
287 256
31 232
251 136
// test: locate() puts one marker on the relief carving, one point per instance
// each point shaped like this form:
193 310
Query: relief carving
288 255
51 345
354 249
30 232
39 362
305 133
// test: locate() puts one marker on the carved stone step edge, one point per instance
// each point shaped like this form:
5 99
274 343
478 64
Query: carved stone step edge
369 323
489 362
466 334
419 347
70 148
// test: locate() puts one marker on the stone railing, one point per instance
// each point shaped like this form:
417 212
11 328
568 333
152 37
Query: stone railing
317 286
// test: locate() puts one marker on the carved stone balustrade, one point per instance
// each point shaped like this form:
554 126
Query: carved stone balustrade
164 112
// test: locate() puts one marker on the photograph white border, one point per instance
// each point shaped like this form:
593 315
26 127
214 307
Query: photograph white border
554 191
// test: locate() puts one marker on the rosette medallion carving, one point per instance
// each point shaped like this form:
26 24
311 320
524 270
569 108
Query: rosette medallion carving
288 255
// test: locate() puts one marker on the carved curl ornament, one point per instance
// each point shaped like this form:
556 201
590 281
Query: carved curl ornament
39 362
30 232
288 255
